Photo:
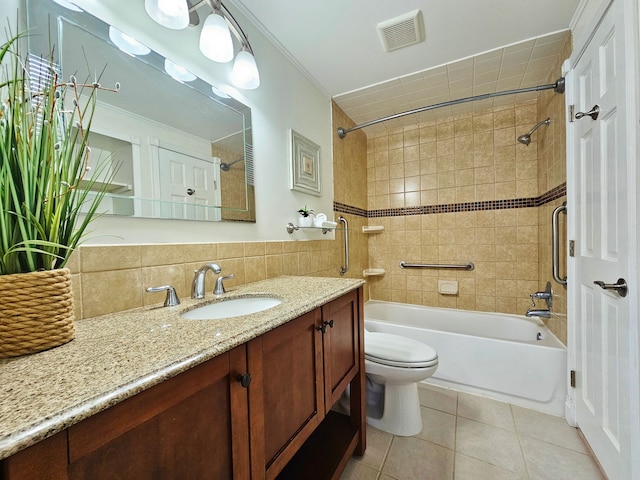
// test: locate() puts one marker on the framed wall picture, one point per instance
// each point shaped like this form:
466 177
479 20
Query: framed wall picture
305 165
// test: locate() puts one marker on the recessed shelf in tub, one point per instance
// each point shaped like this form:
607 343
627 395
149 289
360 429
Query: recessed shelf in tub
373 229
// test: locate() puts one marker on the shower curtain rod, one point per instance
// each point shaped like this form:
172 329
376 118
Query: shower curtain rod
557 87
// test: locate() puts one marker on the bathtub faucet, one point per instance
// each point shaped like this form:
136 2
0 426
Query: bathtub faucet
536 312
546 295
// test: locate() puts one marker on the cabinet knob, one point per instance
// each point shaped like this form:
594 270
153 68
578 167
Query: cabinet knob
323 328
244 380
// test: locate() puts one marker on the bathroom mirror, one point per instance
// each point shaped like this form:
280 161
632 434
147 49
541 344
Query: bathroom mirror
183 151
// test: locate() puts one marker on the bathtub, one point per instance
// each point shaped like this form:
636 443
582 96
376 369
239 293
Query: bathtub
510 358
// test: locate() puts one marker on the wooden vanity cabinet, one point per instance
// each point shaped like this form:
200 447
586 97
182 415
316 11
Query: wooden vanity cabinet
204 423
300 370
192 426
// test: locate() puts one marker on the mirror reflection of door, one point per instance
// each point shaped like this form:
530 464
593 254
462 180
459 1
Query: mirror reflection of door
188 185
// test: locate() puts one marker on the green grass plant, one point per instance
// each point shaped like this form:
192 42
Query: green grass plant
47 198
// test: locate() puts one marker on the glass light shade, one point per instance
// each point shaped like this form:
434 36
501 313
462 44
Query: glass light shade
215 39
126 43
172 14
178 72
245 71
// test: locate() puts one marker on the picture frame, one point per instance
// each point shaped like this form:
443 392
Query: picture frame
305 165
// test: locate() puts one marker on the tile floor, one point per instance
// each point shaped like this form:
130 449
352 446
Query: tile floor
468 437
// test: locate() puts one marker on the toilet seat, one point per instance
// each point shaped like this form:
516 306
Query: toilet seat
398 351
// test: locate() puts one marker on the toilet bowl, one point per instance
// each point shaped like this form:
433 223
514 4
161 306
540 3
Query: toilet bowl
394 365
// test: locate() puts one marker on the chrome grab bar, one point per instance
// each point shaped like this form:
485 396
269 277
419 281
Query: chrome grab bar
467 266
555 244
345 269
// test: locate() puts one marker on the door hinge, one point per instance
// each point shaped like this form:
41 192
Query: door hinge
571 109
572 378
572 248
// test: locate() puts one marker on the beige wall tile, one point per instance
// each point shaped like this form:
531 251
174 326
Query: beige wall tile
106 258
109 292
165 254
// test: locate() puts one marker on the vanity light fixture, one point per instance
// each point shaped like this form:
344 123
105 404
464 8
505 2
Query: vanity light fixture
127 43
215 37
178 72
245 71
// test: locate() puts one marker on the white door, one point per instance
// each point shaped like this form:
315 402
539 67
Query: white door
599 206
189 186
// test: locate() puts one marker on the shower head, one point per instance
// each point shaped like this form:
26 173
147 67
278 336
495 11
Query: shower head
526 138
226 166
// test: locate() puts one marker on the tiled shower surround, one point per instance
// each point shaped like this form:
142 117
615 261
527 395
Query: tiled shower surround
459 190
462 189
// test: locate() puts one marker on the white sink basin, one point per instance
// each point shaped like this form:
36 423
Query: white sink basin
231 308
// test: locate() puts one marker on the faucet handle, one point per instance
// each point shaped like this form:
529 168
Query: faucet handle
219 290
171 299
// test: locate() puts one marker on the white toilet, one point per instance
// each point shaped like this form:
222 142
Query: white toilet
394 365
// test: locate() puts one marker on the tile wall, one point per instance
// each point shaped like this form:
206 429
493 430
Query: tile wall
472 164
109 279
445 192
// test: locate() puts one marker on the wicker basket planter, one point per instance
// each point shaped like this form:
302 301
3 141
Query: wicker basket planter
36 312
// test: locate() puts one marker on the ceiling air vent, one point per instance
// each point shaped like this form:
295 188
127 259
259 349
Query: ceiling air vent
402 31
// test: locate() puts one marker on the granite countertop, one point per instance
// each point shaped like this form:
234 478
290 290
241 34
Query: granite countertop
115 356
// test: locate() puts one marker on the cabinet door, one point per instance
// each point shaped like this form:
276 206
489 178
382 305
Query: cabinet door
182 428
341 345
286 397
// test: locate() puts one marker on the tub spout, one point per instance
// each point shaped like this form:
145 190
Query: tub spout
538 313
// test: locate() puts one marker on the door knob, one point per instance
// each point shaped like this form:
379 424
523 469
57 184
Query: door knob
620 286
190 191
593 113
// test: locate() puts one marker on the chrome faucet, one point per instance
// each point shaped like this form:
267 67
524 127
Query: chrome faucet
547 296
197 286
538 313
219 290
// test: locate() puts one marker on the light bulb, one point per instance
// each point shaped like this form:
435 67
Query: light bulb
178 72
215 39
127 43
245 71
172 14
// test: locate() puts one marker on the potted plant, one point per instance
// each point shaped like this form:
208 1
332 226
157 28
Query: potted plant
46 201
305 220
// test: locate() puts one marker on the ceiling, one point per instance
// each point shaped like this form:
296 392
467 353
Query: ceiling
471 47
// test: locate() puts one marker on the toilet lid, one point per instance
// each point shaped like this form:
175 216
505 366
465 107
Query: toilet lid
398 351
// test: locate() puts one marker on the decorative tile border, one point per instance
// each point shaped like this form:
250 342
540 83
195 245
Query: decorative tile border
553 194
344 208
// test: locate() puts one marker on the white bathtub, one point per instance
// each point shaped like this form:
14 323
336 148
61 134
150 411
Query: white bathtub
491 354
